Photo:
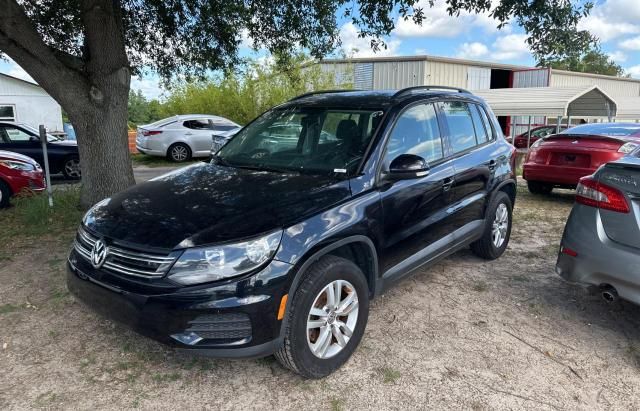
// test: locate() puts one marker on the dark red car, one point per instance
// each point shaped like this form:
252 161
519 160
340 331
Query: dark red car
520 141
560 160
18 173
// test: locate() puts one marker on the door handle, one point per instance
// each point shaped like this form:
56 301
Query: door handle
492 165
447 183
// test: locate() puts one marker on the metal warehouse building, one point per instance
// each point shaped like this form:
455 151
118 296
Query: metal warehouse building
398 72
28 103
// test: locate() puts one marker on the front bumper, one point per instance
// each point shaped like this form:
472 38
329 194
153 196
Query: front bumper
600 261
235 319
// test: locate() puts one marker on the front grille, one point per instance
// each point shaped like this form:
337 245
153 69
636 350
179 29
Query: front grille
124 261
229 326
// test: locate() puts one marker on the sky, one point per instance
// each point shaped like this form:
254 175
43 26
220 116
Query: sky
615 22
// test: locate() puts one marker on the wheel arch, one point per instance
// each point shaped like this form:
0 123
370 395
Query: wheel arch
509 187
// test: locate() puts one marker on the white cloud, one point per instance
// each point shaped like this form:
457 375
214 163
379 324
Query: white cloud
618 56
634 71
613 19
631 44
473 50
438 23
510 47
361 46
150 86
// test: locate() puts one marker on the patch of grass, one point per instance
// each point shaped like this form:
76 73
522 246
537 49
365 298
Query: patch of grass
170 377
520 278
8 308
156 161
85 362
32 216
45 400
389 375
337 404
480 286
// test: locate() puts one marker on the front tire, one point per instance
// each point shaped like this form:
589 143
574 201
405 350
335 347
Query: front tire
497 232
179 153
5 193
537 187
71 168
327 318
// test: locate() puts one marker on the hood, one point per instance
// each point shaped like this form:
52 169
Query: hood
207 204
69 143
8 155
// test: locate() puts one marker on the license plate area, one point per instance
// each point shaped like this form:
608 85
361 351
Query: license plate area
570 160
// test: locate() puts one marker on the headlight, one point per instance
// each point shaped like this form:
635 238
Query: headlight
626 148
205 264
17 165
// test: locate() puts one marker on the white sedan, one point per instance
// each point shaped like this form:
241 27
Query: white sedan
179 138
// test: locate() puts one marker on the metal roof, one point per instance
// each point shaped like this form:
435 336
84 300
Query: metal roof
628 108
584 101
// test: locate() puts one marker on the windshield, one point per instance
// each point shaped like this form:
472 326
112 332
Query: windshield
303 139
50 138
608 129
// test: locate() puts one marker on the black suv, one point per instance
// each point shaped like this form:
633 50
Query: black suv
279 243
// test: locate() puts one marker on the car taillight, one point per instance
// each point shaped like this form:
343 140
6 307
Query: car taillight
595 194
148 133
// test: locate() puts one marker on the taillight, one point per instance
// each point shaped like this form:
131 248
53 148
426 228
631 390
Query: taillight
148 133
595 194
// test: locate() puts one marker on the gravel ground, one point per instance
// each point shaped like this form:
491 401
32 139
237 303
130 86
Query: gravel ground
465 333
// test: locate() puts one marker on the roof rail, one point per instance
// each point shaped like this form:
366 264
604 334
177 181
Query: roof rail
322 92
410 89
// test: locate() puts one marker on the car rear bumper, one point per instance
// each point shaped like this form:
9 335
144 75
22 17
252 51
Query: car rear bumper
207 321
562 175
599 261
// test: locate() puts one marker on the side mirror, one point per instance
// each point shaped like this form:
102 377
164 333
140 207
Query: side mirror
34 139
408 166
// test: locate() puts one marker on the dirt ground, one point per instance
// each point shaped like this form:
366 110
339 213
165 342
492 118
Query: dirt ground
466 333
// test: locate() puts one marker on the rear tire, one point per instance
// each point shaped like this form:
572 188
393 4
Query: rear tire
497 232
303 351
5 194
179 153
537 187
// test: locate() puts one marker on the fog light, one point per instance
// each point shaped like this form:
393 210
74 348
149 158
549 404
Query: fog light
189 338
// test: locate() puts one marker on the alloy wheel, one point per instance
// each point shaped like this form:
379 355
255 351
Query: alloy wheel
179 153
332 319
500 225
72 168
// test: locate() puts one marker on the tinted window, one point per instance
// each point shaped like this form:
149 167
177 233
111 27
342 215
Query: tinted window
416 132
222 127
487 123
607 129
479 125
458 118
197 124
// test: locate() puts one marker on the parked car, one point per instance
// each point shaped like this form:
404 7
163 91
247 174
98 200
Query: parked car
601 242
17 174
520 141
278 248
219 140
24 139
560 160
180 138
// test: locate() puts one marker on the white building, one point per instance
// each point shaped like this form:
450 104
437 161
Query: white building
380 73
28 103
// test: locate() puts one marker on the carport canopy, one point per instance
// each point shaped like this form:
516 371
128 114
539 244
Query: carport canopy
584 101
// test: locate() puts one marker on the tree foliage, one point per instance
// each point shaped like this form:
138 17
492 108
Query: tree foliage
593 61
142 110
243 96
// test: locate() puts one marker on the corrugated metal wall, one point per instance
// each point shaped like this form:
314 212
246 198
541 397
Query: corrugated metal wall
617 87
446 74
478 78
343 72
397 74
531 78
363 76
14 87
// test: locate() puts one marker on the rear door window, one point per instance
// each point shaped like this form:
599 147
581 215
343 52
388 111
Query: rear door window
457 115
198 124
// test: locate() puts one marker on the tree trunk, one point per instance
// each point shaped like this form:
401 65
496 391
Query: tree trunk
101 130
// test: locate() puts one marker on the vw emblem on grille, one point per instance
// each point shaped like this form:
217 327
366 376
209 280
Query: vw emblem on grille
99 253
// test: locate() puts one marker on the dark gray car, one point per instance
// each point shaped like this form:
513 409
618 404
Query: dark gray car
601 241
